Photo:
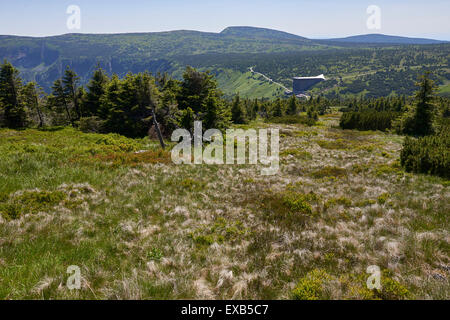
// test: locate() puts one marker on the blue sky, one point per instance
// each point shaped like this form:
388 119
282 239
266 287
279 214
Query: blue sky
309 18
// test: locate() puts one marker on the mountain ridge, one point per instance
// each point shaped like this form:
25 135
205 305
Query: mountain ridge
43 59
257 32
380 38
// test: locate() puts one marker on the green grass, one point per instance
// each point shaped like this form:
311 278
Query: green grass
247 85
34 158
140 227
444 90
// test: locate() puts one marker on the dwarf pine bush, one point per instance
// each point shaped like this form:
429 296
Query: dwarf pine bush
29 202
292 120
428 154
368 120
297 204
311 286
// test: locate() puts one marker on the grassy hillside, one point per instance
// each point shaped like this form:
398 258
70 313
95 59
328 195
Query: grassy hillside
139 226
246 84
44 58
375 72
444 90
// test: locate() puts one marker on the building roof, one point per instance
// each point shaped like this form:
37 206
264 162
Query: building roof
309 78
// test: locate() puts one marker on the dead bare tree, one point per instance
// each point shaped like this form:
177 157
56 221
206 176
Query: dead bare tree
158 131
148 99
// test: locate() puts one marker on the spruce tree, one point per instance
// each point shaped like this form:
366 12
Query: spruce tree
186 119
424 111
292 106
31 97
195 89
110 105
255 108
60 100
312 113
95 90
10 88
237 112
71 90
419 120
277 110
216 115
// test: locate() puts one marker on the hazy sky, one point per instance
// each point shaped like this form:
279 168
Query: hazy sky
309 18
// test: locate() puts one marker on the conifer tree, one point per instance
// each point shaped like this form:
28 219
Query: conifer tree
96 88
59 99
419 120
277 110
71 90
255 107
31 97
424 111
14 112
237 112
292 106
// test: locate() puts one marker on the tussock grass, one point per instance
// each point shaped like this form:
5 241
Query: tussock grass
140 227
329 172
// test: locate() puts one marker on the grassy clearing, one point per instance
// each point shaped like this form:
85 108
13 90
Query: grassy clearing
444 90
140 227
247 84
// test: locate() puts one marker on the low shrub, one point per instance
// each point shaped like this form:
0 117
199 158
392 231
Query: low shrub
219 232
368 120
329 172
430 155
312 286
29 202
392 290
292 120
288 208
338 144
355 287
297 203
91 125
297 153
346 202
117 143
383 198
155 254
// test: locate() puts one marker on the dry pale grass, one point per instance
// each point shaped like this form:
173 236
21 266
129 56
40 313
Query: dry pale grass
158 230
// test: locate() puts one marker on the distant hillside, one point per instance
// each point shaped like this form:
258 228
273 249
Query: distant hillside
43 59
384 39
278 54
261 33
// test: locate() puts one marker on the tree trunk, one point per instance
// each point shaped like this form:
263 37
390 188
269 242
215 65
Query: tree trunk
75 104
41 120
158 132
68 113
